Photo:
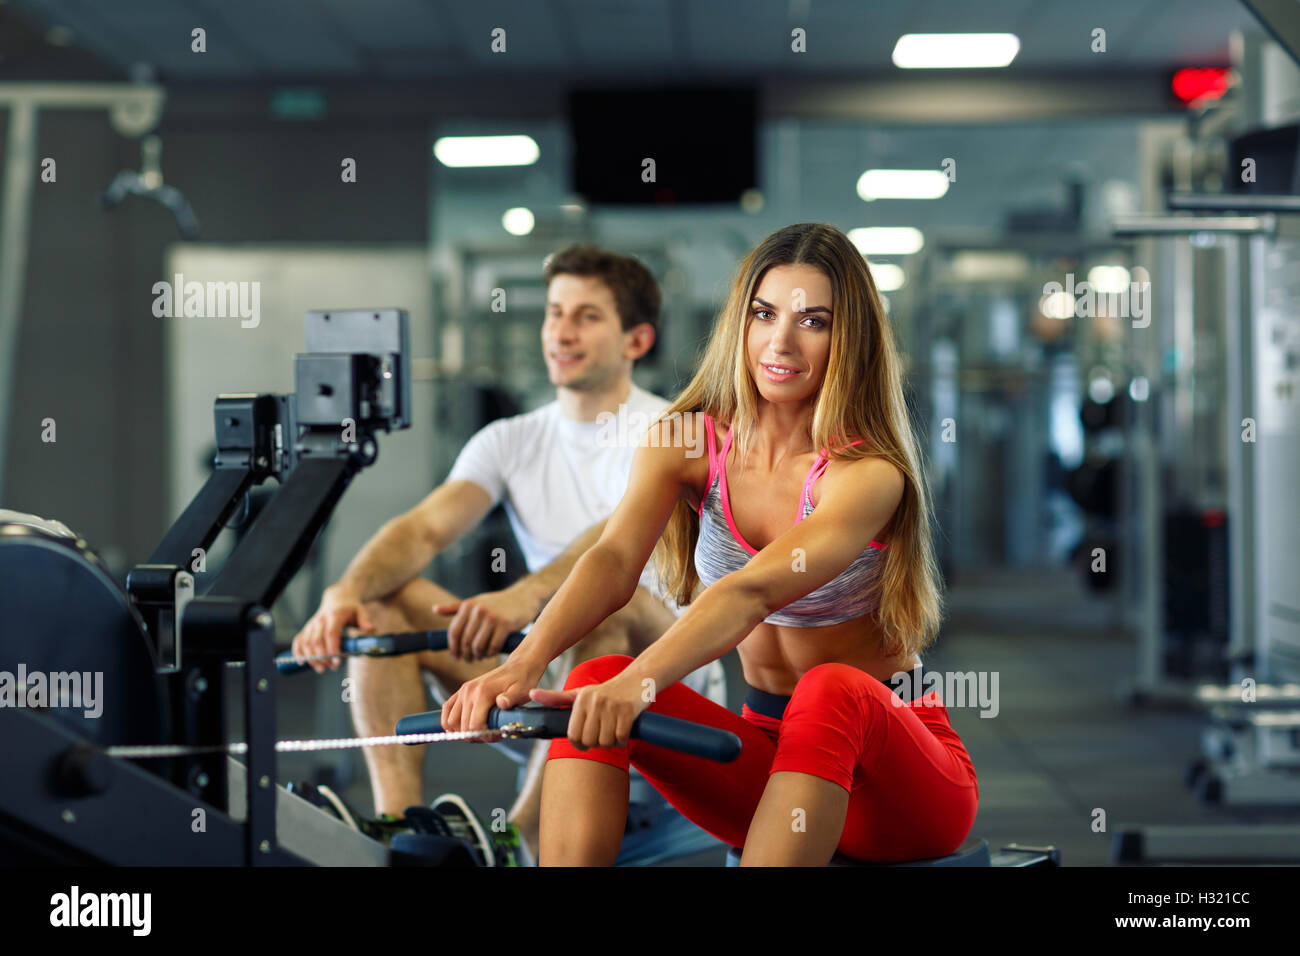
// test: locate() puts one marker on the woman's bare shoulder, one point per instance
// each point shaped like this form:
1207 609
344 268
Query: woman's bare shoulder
684 438
678 432
871 474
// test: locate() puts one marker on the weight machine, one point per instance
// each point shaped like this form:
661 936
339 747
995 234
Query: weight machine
1233 254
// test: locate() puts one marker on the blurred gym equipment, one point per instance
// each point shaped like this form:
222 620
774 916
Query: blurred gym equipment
133 110
148 183
1230 257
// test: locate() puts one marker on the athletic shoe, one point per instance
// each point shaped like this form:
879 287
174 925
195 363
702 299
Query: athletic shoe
427 820
321 796
511 850
465 824
341 808
385 826
507 845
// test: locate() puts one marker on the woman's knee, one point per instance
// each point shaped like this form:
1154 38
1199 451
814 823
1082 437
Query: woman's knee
834 689
597 670
834 678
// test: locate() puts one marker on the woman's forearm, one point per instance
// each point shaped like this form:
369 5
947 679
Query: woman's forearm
719 619
597 586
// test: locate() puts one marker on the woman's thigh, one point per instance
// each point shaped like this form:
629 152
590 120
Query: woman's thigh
718 797
915 801
911 796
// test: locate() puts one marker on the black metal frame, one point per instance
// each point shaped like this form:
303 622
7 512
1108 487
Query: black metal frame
64 800
355 383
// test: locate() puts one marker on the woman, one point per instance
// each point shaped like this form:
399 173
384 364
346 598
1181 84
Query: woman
809 528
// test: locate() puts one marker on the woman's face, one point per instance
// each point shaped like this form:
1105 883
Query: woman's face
789 341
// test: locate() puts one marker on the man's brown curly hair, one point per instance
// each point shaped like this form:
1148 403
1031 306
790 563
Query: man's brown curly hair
636 293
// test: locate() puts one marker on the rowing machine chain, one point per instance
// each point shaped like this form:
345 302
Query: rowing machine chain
511 731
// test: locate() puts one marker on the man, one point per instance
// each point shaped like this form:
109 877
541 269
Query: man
559 469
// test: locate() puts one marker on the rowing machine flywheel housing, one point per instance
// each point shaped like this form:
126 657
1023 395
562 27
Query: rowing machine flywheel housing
61 613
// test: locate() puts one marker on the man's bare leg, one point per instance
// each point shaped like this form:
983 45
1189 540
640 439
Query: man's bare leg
385 689
629 631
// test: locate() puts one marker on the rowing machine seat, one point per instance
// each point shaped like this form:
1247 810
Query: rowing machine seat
974 852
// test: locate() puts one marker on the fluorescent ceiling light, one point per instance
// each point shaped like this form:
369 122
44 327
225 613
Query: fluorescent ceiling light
887 240
976 265
1101 389
955 51
1108 279
461 151
902 184
518 221
1057 305
888 276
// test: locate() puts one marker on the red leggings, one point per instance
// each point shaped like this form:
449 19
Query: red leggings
912 786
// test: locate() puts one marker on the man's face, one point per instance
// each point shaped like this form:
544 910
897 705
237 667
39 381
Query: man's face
583 341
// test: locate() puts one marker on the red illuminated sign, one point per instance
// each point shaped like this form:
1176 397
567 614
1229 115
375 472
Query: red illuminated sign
1208 83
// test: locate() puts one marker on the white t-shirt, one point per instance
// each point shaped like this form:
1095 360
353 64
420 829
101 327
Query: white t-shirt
558 477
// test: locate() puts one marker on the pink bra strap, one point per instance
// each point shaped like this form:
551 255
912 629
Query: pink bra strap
818 468
713 455
814 473
713 462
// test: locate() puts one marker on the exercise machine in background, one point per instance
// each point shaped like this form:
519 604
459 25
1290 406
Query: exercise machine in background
163 651
1227 250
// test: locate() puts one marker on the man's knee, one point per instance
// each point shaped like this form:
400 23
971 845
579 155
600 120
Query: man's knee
611 636
411 605
410 608
386 614
647 618
630 629
398 612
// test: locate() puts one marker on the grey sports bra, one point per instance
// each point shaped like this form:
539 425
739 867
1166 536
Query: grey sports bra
720 549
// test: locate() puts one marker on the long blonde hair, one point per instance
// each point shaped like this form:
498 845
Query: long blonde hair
860 396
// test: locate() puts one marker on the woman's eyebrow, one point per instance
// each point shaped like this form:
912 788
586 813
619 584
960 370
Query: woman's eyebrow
809 308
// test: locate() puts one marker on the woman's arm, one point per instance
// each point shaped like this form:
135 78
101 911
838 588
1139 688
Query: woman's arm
856 502
605 578
602 581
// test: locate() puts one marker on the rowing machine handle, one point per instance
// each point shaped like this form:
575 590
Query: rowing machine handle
387 645
687 737
660 730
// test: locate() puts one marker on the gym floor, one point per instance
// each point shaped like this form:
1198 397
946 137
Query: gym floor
1063 744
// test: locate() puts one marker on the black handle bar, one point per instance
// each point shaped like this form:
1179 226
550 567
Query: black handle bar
387 645
658 729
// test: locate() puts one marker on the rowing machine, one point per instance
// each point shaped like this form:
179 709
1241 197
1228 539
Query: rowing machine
158 654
